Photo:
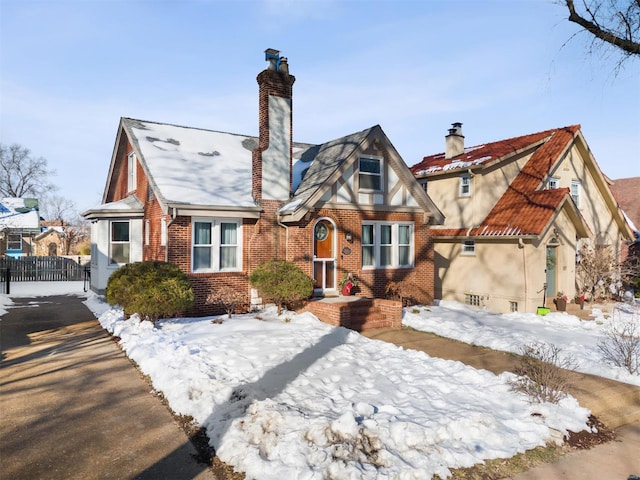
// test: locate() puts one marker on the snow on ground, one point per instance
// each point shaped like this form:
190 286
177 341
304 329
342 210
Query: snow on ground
291 397
577 339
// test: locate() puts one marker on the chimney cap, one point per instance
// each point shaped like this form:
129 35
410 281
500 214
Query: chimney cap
271 52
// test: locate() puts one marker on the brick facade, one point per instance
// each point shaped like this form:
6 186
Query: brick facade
266 238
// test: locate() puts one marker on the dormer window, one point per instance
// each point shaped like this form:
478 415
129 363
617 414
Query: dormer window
131 172
465 185
553 183
370 176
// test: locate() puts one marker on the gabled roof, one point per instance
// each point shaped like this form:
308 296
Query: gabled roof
19 214
322 165
192 166
625 191
525 209
483 155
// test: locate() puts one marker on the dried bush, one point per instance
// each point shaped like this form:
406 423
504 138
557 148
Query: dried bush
404 291
229 297
542 372
621 347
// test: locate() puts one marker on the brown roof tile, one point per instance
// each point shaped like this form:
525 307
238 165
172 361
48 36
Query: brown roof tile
626 192
524 209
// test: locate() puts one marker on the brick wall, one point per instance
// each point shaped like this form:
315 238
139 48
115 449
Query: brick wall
371 282
271 83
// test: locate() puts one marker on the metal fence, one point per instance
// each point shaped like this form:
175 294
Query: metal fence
37 269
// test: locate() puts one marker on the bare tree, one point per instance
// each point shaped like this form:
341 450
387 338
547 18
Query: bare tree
610 22
61 212
57 208
22 175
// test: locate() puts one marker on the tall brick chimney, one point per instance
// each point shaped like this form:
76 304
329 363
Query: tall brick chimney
454 141
272 159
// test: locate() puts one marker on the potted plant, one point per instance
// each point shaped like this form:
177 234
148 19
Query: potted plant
347 284
561 302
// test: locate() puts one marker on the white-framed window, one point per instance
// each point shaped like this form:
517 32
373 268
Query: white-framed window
471 299
553 183
216 245
575 191
131 172
370 173
387 245
147 234
513 306
163 232
14 241
469 247
465 185
119 242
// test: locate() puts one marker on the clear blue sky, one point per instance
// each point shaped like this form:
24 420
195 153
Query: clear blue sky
71 68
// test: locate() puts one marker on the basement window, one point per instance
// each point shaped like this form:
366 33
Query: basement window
469 247
471 299
513 306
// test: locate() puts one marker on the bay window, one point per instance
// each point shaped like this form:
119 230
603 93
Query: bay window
387 245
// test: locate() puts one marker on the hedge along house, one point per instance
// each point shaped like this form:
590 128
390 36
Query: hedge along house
219 204
516 212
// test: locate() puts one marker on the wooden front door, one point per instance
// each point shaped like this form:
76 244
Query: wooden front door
324 257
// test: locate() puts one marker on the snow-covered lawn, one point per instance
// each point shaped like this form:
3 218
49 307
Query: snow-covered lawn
290 397
577 339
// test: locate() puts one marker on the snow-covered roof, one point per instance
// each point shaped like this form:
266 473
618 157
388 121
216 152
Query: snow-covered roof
128 206
19 213
195 166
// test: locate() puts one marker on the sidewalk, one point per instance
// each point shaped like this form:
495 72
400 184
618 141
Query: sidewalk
616 404
73 406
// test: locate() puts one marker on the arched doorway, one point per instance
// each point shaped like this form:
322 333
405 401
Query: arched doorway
324 257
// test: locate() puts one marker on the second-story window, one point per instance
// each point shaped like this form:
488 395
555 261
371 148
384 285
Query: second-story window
370 176
575 192
131 172
465 185
553 183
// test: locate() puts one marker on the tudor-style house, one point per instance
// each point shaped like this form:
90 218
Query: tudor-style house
516 213
219 204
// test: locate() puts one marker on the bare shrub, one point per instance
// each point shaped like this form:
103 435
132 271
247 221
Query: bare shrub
404 291
542 372
229 297
621 346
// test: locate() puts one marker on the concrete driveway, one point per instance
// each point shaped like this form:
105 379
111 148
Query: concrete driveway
74 407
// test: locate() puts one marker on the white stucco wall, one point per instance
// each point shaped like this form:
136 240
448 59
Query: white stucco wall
101 270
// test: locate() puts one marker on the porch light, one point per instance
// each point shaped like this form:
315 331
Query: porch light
349 237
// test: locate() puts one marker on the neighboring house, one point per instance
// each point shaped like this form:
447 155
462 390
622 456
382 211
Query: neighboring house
626 192
19 223
51 241
219 204
516 211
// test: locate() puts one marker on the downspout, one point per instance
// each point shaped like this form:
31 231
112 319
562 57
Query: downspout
169 223
524 269
286 236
